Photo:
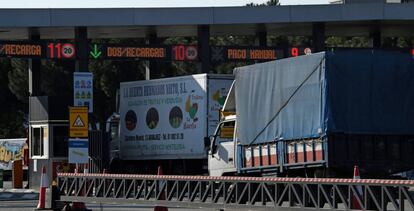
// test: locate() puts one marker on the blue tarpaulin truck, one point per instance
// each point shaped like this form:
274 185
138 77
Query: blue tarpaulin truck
319 115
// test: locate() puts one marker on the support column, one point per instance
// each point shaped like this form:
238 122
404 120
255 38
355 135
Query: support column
261 36
81 39
204 47
153 67
318 37
283 43
376 36
34 67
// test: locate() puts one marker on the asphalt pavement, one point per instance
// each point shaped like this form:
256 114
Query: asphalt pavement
27 199
27 205
7 193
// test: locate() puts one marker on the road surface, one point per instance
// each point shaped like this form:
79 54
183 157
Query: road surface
27 205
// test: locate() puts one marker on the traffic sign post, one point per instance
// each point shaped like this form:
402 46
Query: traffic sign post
83 90
78 151
78 122
68 50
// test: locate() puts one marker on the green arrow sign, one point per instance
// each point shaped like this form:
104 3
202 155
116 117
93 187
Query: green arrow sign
96 52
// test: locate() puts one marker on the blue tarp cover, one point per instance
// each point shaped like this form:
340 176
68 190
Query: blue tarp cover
370 92
349 91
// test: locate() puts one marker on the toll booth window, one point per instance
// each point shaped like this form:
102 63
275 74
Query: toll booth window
227 131
60 141
39 138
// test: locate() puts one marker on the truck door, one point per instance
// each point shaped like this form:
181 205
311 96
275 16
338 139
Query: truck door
221 157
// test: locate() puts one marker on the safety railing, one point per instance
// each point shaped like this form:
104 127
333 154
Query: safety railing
238 192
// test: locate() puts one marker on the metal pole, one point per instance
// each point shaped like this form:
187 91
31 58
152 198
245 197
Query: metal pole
204 47
34 67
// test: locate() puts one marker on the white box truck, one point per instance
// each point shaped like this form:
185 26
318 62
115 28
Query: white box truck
163 122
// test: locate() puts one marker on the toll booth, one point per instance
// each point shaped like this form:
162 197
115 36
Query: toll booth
48 137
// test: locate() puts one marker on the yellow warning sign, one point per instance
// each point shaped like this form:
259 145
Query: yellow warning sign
78 122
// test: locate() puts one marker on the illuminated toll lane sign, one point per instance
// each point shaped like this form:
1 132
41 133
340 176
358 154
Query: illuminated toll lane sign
222 54
21 50
45 50
158 53
136 52
299 51
60 51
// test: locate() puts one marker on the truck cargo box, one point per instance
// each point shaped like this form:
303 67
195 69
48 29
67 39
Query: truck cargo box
337 108
169 118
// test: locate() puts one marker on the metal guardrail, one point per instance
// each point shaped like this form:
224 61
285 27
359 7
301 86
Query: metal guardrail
238 192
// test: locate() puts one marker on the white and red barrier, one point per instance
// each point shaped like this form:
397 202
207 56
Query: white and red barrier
247 179
355 203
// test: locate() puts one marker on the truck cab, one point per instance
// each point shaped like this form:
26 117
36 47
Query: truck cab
221 157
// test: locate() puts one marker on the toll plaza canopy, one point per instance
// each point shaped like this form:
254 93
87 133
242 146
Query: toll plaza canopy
339 19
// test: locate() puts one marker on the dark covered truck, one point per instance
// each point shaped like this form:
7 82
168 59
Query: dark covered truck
319 115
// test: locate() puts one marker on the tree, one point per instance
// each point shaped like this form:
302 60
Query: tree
56 78
18 79
12 115
347 42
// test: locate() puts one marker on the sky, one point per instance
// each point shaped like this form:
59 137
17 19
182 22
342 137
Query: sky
140 3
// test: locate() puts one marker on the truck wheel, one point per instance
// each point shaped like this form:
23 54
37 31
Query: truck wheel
319 173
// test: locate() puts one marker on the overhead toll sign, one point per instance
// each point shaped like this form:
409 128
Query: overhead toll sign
41 49
136 52
14 49
159 53
299 51
78 122
225 53
60 50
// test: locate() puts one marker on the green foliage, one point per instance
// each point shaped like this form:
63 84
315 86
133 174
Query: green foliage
398 42
56 78
12 123
18 79
12 115
347 42
4 91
